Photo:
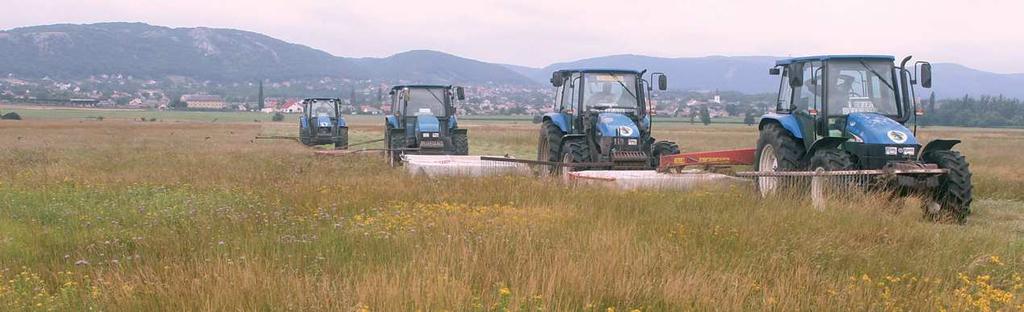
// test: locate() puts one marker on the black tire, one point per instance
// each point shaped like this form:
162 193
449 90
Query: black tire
460 143
575 151
662 148
831 160
822 188
394 154
549 144
786 150
954 191
304 138
341 142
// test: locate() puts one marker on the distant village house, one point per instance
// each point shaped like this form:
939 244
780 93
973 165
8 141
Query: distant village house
203 101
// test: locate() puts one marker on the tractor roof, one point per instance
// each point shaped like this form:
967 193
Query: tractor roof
822 58
420 86
321 99
598 70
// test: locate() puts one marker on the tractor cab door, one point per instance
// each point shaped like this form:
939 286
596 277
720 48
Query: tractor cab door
569 101
808 95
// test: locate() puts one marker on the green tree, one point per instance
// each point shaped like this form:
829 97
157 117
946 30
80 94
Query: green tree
705 115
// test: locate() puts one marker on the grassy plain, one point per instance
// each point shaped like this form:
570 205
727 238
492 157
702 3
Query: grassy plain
188 213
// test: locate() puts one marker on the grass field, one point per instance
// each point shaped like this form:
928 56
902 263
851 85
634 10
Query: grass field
189 214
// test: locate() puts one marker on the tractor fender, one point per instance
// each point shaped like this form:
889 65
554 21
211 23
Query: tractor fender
824 144
392 121
460 131
453 122
938 145
559 119
303 123
787 122
341 122
572 136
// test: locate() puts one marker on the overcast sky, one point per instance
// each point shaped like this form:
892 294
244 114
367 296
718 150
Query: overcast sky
984 34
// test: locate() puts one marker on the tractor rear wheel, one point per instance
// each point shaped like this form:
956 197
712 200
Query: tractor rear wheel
395 144
777 150
549 144
341 142
304 138
822 187
460 142
954 192
662 148
575 152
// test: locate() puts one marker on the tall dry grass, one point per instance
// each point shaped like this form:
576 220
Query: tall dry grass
120 215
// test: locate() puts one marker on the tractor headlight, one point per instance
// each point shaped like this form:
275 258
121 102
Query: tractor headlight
909 151
436 135
891 150
632 142
426 135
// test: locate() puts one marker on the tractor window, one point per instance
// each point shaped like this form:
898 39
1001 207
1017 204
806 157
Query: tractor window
426 101
610 92
569 93
322 108
809 95
785 92
861 87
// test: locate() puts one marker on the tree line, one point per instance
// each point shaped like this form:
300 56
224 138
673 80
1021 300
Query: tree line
984 111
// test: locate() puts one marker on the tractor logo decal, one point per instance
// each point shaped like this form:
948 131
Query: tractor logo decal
625 131
897 136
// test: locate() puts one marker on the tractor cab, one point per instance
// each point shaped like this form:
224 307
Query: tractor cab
859 102
321 122
602 116
422 120
848 113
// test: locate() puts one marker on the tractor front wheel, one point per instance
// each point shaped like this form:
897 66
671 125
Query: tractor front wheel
662 148
460 142
822 187
304 138
953 196
777 150
575 152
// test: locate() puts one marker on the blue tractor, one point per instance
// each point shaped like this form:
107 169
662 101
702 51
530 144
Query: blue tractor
422 121
321 123
849 113
601 120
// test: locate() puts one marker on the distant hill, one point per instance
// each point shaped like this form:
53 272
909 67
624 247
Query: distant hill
749 74
67 51
142 50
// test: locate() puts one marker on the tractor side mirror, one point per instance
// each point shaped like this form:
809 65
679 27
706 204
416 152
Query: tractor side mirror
556 79
460 93
774 71
662 82
926 75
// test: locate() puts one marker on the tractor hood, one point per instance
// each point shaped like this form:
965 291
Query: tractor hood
427 123
873 128
616 125
323 121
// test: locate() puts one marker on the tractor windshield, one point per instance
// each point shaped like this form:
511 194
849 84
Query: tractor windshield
322 108
858 86
610 92
426 101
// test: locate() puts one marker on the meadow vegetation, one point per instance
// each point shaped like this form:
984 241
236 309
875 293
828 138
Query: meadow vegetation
121 214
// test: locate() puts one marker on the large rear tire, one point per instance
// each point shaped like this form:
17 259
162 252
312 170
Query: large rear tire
777 150
549 145
304 138
954 194
341 142
460 143
395 144
662 148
